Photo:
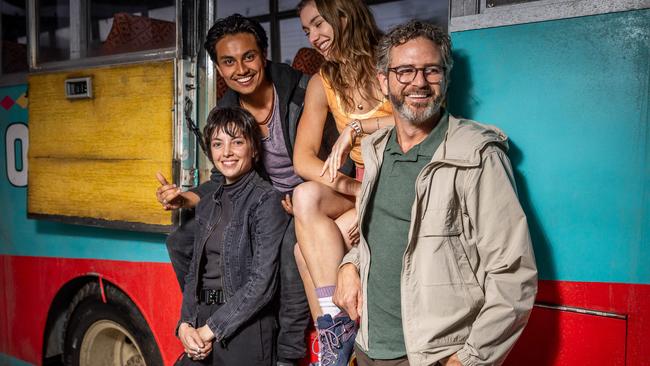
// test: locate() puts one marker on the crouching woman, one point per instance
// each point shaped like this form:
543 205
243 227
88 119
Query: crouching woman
227 316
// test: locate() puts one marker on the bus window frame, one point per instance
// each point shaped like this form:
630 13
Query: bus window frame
480 16
15 78
108 60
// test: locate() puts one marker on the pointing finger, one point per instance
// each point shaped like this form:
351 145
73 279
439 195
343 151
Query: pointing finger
161 178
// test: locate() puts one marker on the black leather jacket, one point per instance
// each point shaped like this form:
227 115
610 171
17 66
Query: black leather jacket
250 253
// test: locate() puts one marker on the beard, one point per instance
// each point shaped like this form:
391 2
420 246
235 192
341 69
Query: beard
417 113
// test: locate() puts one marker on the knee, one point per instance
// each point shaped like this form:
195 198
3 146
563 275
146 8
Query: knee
306 198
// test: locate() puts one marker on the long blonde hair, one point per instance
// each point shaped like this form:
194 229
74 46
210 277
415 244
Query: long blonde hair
351 61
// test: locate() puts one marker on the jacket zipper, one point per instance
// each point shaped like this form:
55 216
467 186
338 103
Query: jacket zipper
202 247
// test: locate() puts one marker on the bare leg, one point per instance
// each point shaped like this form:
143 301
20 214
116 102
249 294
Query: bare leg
343 222
310 289
316 207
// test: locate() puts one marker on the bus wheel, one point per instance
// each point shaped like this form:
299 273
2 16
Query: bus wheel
108 334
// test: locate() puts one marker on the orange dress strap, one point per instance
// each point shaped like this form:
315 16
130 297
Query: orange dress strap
342 118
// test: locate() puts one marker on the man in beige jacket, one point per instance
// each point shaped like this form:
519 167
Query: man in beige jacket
440 225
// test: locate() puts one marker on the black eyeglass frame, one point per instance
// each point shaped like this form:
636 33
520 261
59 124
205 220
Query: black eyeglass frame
426 75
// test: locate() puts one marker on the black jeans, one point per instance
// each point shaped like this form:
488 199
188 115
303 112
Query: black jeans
251 345
293 313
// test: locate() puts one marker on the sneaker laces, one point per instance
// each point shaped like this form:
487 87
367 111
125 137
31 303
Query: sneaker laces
328 340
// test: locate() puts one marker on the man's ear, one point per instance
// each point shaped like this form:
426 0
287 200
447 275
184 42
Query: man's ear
383 83
216 65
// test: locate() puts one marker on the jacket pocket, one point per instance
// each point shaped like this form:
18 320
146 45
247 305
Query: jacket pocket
434 256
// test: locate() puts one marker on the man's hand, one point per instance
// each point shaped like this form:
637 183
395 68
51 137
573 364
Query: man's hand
348 295
451 361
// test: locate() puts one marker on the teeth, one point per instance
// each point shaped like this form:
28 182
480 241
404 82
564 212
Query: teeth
323 45
244 80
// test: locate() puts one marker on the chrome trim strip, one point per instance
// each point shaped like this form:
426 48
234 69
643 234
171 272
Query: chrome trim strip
542 10
135 57
573 309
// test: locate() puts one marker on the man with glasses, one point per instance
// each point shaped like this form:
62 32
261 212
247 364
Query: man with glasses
440 224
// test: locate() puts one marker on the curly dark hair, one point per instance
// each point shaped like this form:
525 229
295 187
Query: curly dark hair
233 120
234 24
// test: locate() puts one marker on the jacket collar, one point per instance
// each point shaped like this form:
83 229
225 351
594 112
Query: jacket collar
462 145
236 189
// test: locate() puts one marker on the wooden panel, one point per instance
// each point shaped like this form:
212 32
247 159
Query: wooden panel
97 158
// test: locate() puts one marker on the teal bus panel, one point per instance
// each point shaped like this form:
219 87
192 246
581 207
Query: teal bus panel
573 97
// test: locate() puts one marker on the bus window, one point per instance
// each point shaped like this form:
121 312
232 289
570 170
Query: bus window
120 27
54 30
14 37
248 8
73 29
293 39
387 14
392 13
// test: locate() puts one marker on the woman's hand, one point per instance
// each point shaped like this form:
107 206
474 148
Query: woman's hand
206 334
195 346
168 195
353 233
339 153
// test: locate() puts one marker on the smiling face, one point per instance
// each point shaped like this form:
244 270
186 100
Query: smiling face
419 100
233 156
319 32
240 62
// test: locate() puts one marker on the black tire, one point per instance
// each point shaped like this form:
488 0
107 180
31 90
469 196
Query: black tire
107 334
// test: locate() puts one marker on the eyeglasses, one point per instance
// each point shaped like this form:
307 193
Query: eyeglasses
407 73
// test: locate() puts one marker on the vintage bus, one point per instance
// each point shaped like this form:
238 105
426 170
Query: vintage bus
97 96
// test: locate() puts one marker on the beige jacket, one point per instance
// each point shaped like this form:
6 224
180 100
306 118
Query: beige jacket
469 277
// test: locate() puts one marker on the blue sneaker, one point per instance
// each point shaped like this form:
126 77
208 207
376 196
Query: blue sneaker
335 339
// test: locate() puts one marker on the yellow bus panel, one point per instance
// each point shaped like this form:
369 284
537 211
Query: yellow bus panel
97 158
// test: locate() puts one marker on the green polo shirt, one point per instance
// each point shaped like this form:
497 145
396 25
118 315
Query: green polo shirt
386 228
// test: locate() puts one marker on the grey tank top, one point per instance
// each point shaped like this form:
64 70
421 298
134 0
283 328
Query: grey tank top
275 157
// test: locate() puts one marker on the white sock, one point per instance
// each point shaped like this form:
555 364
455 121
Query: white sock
328 306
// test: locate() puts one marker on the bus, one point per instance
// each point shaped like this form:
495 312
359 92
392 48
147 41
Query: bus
97 96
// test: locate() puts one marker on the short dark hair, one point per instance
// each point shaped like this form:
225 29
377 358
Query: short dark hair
233 120
234 24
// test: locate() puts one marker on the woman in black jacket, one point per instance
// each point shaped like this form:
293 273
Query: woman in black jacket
227 316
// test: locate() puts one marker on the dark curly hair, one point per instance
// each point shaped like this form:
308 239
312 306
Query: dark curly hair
233 120
234 24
